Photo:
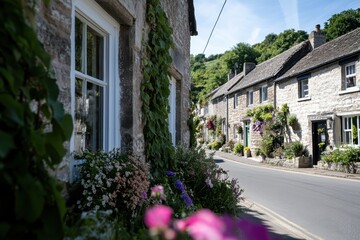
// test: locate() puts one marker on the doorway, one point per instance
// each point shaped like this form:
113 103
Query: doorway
247 134
319 139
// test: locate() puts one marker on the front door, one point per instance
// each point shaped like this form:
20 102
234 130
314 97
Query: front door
319 139
247 133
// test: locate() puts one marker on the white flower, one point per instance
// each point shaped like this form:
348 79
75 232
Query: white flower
89 198
209 183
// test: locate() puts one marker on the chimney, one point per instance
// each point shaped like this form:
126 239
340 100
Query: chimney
316 37
248 67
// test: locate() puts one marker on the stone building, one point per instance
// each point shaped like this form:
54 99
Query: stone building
96 48
323 91
258 88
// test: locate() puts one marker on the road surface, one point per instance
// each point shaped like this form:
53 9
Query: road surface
324 206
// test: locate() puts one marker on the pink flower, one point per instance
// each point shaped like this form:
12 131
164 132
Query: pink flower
202 225
158 192
158 217
251 230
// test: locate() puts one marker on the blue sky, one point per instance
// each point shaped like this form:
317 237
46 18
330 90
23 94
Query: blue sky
249 21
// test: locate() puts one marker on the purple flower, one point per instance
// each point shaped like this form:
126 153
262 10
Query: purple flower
170 173
187 200
179 185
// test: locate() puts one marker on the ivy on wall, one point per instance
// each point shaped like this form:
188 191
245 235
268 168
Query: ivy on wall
33 128
155 89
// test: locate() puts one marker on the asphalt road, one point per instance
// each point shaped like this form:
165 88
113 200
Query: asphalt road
324 206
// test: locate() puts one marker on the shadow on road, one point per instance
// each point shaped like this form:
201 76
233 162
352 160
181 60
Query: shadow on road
218 160
275 234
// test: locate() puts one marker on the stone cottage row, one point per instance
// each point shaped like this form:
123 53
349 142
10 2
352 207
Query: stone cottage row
318 80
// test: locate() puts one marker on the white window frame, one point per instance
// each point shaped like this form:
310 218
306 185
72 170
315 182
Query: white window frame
98 18
172 112
236 135
263 92
350 75
250 96
347 129
302 83
236 103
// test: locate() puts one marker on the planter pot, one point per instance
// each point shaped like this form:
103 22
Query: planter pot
247 154
301 162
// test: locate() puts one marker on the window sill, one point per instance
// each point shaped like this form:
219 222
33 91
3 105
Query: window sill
350 90
304 99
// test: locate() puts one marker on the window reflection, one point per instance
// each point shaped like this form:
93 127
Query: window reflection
88 116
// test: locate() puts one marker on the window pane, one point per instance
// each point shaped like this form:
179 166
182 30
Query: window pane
95 52
80 117
78 45
88 116
348 137
94 120
350 81
354 129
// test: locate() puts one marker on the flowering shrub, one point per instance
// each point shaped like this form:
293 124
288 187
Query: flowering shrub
203 224
258 126
113 181
209 185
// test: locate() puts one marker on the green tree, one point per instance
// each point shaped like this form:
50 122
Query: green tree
239 54
274 44
342 23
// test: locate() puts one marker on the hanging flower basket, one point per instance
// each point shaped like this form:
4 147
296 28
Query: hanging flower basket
210 125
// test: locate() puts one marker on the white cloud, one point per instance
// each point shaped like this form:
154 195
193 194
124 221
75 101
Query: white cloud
290 11
254 36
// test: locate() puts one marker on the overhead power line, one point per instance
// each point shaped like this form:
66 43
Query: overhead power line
214 26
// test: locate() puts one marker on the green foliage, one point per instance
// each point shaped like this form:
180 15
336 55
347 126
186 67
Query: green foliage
238 55
155 88
238 148
261 113
294 149
266 146
33 129
215 145
211 186
344 156
342 23
292 120
354 133
274 44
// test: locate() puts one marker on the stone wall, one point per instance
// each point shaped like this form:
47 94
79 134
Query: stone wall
53 25
326 101
238 115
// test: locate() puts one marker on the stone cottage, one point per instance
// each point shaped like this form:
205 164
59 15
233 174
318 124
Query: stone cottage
258 88
96 48
323 91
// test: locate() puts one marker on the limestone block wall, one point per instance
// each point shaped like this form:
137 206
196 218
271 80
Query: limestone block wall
326 100
238 115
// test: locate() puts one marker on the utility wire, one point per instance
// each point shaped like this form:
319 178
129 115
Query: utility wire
214 26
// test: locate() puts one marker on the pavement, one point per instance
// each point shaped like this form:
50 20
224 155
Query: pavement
279 227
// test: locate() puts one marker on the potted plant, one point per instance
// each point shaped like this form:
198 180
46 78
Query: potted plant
247 152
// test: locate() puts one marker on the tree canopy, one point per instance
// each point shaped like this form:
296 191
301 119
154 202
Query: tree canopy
342 23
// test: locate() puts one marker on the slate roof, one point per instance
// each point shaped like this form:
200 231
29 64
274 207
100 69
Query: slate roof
223 89
272 67
339 48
